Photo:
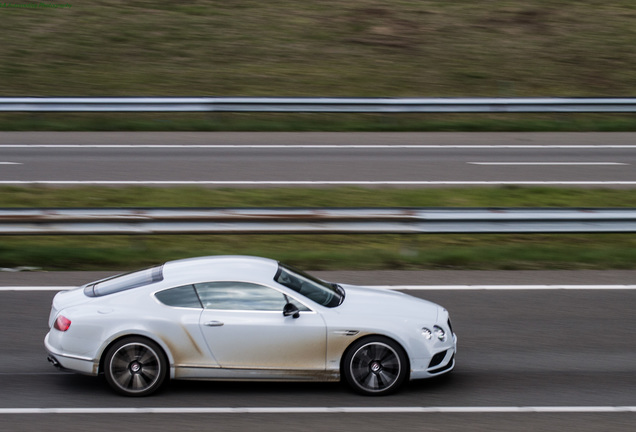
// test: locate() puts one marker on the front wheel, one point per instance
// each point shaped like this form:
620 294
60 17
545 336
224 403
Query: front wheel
135 367
375 366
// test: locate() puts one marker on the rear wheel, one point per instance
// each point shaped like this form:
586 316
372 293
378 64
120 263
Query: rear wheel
375 366
135 367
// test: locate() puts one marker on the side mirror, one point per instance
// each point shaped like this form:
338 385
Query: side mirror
291 310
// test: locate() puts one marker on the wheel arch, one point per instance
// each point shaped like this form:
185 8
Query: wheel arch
372 336
164 349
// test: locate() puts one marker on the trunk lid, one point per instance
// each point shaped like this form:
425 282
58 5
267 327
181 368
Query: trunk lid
65 299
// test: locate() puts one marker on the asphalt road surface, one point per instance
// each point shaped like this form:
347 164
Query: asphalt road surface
528 360
318 159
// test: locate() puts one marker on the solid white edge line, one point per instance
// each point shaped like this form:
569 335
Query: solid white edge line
325 410
502 287
407 287
546 163
327 146
36 288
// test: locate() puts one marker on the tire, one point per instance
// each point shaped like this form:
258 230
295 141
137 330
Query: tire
375 366
135 366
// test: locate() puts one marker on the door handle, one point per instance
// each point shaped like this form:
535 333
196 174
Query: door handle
213 324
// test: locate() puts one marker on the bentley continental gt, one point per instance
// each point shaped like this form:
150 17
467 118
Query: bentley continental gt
245 318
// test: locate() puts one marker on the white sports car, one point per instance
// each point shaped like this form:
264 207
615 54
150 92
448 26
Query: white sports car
245 318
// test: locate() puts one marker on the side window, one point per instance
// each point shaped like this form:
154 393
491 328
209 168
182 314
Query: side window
184 296
240 296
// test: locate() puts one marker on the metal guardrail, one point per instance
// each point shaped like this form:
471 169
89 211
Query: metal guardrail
318 105
314 221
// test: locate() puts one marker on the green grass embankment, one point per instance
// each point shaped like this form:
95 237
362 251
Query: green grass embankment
364 251
362 48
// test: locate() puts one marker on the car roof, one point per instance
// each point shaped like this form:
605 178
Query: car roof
221 267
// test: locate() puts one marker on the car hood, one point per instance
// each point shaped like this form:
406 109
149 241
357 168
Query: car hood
382 302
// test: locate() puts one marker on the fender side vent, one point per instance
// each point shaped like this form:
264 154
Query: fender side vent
346 332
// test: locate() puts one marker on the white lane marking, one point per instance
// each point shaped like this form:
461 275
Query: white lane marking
327 146
326 410
407 287
315 183
503 287
36 373
10 163
546 163
36 288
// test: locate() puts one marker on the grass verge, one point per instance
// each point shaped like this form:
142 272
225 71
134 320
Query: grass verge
406 252
365 48
462 251
277 122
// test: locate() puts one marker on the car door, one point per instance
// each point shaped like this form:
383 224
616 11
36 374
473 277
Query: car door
244 327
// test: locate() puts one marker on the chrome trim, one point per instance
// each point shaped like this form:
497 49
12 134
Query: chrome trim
69 356
214 324
346 332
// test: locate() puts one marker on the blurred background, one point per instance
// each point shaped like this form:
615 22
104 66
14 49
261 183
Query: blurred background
325 48
358 48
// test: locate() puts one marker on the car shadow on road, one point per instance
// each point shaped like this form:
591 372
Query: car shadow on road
237 393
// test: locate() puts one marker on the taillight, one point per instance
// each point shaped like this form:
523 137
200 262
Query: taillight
62 323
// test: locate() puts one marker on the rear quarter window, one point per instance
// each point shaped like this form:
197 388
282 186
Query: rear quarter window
184 296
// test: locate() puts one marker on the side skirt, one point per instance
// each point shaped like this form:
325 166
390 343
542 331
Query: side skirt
221 374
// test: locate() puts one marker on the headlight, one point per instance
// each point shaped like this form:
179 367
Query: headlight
439 333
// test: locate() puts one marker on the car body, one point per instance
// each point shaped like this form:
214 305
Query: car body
245 318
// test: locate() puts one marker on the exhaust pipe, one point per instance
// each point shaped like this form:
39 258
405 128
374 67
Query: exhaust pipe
53 361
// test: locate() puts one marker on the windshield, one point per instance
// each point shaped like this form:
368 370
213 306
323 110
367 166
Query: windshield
321 292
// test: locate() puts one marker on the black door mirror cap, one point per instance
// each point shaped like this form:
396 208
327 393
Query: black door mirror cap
291 310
